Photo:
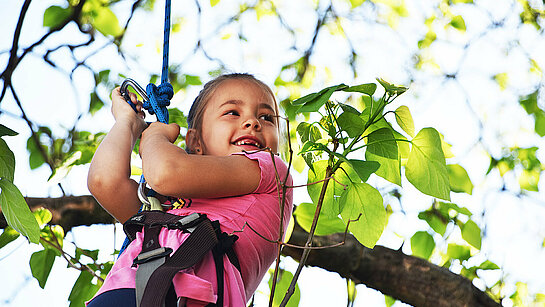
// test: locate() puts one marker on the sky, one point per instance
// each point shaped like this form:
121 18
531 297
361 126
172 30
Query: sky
511 229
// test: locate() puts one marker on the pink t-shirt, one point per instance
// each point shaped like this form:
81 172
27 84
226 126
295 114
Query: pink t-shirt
260 210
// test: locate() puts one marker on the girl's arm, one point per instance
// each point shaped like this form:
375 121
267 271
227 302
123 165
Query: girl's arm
169 170
108 179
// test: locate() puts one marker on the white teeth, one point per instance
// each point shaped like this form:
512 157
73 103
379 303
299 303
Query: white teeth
247 142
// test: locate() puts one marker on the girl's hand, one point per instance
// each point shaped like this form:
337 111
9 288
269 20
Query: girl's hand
123 113
170 132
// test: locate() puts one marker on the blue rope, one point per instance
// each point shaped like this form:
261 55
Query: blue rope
159 96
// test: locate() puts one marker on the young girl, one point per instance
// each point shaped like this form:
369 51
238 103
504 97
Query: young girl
221 174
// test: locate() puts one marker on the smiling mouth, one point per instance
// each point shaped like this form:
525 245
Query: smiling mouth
247 142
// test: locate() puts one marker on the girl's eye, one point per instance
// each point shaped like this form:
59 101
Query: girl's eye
232 112
267 117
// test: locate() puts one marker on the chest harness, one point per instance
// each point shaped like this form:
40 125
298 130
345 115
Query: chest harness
157 265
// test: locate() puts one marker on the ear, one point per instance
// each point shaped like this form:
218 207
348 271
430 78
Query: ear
193 142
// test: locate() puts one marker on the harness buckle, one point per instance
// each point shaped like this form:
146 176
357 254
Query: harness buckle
187 223
152 255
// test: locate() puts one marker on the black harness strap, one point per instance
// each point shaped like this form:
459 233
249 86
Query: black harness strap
158 268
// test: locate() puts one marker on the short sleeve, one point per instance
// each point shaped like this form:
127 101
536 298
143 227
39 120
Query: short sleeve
271 166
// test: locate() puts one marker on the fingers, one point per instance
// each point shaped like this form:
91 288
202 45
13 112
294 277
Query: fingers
171 131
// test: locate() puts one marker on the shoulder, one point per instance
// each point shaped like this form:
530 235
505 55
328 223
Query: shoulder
273 170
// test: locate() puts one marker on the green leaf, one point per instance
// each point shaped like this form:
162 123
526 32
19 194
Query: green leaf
6 131
8 235
95 103
389 301
106 22
214 2
42 216
54 233
313 102
435 222
304 214
55 15
459 179
460 252
40 264
455 207
363 207
335 188
458 22
392 89
351 291
282 285
529 103
348 108
471 232
308 132
382 148
539 125
364 169
426 168
351 123
16 211
488 265
7 161
422 244
405 120
35 158
367 89
175 115
83 290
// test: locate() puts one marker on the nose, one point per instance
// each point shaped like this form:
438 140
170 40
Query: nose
252 123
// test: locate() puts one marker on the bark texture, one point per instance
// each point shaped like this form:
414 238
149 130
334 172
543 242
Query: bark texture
409 279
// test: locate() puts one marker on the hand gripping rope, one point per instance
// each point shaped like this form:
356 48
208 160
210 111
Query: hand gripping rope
157 265
155 101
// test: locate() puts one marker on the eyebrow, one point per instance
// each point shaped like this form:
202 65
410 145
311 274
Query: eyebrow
238 102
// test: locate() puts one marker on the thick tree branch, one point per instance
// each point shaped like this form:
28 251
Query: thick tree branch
409 279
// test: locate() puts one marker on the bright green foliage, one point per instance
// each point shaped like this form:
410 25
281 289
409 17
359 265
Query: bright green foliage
282 284
304 213
459 179
458 23
436 222
405 120
351 123
313 102
7 161
426 168
364 169
351 291
41 263
460 252
422 244
83 289
8 235
363 207
524 162
471 232
101 17
389 301
214 2
55 16
382 148
331 206
16 211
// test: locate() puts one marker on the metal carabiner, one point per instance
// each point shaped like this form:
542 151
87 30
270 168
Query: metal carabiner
139 90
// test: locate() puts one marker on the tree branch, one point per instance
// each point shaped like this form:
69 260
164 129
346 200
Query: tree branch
409 279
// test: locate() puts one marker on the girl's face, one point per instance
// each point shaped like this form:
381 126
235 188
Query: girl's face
240 115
